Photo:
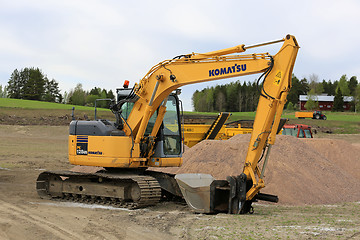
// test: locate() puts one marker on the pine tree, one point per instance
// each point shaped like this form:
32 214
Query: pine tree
110 94
14 85
338 101
3 92
34 82
95 91
299 87
232 97
329 87
352 85
52 91
65 98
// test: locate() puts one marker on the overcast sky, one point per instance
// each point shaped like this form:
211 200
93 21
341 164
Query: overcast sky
103 43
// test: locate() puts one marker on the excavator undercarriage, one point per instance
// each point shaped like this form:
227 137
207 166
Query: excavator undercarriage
129 189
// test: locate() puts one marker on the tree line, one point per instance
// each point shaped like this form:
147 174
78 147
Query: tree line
243 97
33 84
78 96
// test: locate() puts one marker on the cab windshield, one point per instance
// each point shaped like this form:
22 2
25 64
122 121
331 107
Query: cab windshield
289 131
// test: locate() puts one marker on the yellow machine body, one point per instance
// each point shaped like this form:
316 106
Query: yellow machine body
108 151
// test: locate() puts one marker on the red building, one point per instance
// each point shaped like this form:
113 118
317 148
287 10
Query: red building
325 102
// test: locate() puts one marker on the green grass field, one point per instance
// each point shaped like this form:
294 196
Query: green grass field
337 122
30 104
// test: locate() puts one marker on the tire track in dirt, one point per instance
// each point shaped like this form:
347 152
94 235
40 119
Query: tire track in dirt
38 221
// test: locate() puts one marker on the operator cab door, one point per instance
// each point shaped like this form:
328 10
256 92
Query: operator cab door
168 142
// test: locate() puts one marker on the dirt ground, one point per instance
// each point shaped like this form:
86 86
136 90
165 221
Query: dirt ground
25 151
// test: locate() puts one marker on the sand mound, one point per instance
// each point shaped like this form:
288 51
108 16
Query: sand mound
300 171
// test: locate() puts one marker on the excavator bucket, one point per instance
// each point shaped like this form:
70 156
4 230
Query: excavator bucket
204 194
196 190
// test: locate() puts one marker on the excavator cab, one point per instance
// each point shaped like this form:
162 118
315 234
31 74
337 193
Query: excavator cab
168 141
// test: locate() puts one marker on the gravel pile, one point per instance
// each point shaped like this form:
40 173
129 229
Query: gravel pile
300 171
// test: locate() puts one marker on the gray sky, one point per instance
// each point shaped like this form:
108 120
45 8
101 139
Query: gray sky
103 43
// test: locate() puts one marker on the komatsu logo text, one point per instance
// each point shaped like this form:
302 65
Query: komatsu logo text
95 152
227 70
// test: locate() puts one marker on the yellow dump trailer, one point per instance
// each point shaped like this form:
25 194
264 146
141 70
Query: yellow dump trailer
194 133
304 114
314 115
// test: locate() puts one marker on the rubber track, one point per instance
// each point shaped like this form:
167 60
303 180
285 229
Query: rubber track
150 190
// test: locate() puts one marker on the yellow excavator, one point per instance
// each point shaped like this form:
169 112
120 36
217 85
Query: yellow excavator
148 133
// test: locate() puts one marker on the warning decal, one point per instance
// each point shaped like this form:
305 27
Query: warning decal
278 78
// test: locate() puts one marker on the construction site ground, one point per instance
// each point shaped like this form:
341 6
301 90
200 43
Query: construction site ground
323 204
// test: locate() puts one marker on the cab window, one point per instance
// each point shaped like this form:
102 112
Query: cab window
307 133
126 109
171 130
301 133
